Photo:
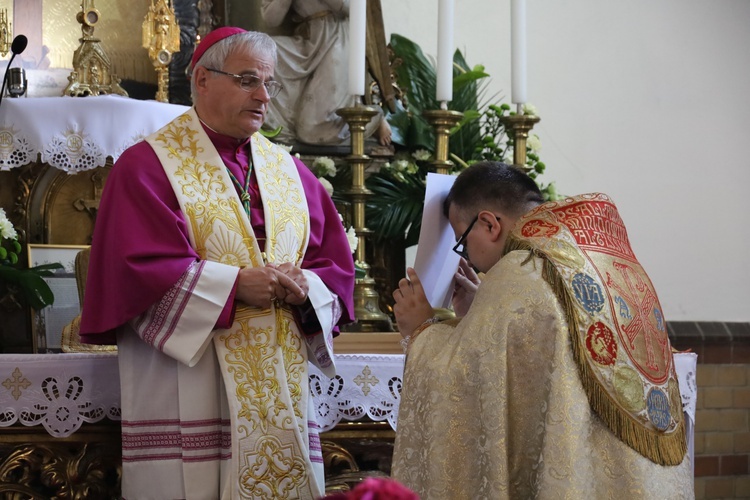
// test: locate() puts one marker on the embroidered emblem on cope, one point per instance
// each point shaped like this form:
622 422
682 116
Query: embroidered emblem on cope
657 404
536 228
639 320
588 293
601 344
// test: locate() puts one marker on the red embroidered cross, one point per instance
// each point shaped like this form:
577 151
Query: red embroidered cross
643 308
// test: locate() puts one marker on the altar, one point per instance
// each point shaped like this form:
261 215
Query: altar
54 403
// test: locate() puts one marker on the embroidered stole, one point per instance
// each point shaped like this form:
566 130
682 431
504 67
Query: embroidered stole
617 326
263 355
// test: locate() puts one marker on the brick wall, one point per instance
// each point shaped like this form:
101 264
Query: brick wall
722 420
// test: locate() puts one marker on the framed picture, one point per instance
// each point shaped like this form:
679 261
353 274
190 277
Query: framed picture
47 324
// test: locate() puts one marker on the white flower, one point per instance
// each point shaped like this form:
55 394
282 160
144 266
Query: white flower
285 147
351 236
325 166
534 143
529 109
327 185
401 165
7 231
421 155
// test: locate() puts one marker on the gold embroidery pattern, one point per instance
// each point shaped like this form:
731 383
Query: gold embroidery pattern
272 470
460 381
253 365
16 383
211 208
263 353
294 362
286 205
180 136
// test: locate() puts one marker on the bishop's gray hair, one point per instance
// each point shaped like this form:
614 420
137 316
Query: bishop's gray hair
252 42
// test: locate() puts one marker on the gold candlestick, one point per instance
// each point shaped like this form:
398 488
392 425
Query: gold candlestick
443 120
161 36
518 127
366 301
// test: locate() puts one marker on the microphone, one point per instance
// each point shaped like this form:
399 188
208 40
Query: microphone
16 47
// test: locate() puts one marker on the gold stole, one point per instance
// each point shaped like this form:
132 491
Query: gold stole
617 326
263 355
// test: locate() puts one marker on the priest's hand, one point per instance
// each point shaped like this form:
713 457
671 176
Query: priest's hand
298 277
259 286
411 307
465 287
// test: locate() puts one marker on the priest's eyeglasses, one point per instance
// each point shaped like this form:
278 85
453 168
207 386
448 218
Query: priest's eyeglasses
460 247
251 83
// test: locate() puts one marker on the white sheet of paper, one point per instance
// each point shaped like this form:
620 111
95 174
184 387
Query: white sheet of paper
436 262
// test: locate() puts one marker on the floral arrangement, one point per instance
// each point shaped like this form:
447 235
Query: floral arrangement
325 170
395 210
34 290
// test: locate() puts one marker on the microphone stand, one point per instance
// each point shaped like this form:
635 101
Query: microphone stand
16 47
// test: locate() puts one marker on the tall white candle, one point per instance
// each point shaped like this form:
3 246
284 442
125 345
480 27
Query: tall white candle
445 51
357 32
518 50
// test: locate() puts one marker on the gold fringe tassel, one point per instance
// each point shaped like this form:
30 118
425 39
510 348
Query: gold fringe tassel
663 449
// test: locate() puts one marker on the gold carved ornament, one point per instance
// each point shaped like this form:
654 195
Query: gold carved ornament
161 36
6 33
92 73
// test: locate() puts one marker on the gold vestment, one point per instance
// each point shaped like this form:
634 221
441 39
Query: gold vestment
495 408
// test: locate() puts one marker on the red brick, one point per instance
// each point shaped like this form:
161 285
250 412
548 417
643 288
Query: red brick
733 465
741 353
706 466
717 353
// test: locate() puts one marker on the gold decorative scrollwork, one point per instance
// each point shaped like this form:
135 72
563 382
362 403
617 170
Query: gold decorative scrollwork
6 33
41 471
161 36
92 74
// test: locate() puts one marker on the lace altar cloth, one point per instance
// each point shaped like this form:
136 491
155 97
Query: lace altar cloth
364 385
76 133
58 391
61 391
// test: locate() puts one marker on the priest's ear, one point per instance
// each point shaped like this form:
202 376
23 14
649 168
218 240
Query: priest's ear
491 223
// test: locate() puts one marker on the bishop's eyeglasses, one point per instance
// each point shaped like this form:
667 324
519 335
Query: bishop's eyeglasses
251 83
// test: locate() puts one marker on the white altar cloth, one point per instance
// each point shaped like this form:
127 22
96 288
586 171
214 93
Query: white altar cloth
61 391
76 133
58 391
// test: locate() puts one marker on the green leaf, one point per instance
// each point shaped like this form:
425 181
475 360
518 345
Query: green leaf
396 206
36 291
46 269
